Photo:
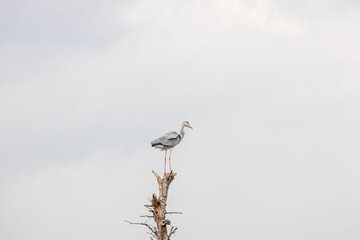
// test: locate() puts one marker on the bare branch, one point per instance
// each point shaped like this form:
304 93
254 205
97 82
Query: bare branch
145 224
157 177
173 213
172 231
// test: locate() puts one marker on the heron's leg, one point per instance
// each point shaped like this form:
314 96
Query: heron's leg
170 158
165 163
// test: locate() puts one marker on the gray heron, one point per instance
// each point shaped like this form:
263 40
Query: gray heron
169 140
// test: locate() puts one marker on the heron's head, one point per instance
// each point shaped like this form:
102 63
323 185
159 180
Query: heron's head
186 124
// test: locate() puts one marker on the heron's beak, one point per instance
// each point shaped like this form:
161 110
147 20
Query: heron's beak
190 127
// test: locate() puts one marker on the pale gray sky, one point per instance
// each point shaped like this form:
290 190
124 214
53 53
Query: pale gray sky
270 86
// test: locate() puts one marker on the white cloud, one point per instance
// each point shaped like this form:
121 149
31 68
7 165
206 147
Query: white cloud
271 95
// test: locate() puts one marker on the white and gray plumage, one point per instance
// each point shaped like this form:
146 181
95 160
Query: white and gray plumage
169 140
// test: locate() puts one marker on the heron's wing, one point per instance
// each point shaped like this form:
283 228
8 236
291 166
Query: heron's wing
169 139
170 135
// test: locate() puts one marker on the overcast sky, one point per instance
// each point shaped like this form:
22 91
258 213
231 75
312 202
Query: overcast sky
271 88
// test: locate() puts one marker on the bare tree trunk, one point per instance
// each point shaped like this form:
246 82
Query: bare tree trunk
158 206
158 209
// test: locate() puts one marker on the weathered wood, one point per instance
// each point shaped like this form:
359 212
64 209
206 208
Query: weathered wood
158 209
159 206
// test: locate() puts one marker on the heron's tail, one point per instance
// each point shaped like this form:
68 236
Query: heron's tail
154 142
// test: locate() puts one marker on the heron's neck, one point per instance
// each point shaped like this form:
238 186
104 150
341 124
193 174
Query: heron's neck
182 132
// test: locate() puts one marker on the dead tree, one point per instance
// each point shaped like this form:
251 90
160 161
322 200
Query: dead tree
157 208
